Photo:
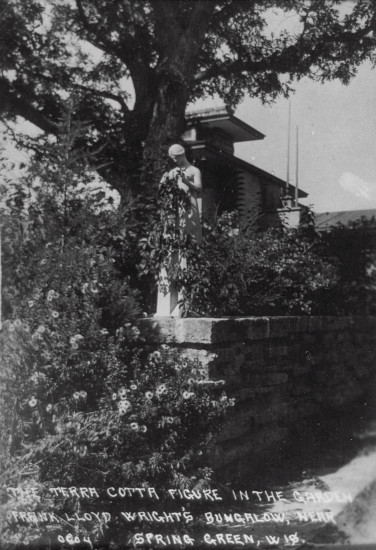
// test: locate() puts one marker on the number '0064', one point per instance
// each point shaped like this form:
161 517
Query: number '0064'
74 539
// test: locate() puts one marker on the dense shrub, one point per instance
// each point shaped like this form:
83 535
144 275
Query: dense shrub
274 272
244 271
104 415
352 249
87 404
236 270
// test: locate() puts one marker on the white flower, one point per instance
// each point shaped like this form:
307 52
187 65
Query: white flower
83 395
161 389
76 396
104 332
156 355
133 387
122 393
124 407
50 295
82 450
135 333
31 303
143 429
149 395
187 394
135 426
55 314
33 402
85 287
49 408
94 287
114 396
36 377
73 340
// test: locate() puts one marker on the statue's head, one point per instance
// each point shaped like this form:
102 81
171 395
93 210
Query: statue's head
177 153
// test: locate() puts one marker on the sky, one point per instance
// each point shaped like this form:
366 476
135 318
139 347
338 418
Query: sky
337 134
337 140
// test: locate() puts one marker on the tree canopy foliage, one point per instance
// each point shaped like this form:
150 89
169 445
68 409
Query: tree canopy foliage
171 52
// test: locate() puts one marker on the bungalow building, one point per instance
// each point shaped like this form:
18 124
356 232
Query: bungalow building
230 183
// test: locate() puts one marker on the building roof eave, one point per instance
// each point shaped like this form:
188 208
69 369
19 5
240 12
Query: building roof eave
223 119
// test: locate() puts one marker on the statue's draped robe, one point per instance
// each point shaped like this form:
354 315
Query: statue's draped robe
189 220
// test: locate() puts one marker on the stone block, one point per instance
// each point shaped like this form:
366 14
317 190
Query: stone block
248 447
283 326
309 339
177 330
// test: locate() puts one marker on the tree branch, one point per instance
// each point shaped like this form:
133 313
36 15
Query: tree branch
107 95
282 62
230 9
128 51
10 101
190 41
101 93
166 21
98 38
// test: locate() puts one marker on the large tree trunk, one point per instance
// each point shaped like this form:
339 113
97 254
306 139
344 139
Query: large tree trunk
174 81
166 127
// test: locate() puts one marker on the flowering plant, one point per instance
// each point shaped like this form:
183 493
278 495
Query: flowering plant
86 404
115 416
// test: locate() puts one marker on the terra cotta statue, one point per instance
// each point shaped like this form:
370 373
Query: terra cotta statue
189 179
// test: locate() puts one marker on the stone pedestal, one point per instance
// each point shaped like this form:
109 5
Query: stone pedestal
169 298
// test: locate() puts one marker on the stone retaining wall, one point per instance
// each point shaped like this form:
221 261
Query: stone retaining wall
281 370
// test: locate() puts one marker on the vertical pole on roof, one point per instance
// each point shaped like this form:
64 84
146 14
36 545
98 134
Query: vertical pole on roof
288 152
297 168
